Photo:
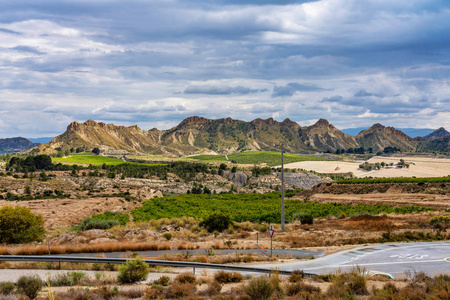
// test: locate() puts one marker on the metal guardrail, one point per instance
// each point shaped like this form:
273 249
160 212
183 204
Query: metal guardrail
168 263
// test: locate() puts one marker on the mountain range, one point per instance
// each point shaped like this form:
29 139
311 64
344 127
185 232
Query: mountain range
201 135
15 144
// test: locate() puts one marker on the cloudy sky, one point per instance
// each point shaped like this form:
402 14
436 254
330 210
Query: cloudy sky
156 62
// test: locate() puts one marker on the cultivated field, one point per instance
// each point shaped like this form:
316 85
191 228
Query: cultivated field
419 167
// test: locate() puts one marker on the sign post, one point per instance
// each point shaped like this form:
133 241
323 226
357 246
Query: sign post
49 247
271 231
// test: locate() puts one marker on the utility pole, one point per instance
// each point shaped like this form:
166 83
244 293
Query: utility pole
282 191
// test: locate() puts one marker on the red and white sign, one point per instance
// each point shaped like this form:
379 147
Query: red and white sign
271 230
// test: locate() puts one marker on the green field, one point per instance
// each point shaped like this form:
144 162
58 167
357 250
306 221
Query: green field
256 158
88 160
252 207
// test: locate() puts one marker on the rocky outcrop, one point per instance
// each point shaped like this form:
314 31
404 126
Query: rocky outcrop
238 178
303 180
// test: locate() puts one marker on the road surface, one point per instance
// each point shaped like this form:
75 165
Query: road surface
430 257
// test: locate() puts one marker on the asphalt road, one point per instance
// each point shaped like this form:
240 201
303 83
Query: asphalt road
396 259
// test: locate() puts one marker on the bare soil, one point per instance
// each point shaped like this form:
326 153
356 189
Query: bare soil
419 167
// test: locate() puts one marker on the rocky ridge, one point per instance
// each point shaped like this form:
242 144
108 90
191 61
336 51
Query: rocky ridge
201 135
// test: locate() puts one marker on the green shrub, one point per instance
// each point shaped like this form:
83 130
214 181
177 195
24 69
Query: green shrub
90 223
296 276
167 235
133 271
29 286
304 218
217 222
358 285
20 225
163 280
440 219
7 288
259 289
67 279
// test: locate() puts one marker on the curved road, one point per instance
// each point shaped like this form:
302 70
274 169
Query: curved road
430 257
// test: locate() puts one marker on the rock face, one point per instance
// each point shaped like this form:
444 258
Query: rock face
303 180
238 178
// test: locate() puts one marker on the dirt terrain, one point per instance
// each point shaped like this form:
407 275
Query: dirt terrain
418 167
67 212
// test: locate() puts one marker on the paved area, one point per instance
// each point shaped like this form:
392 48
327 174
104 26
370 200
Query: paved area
396 259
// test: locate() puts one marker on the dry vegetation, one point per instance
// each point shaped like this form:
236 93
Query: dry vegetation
355 284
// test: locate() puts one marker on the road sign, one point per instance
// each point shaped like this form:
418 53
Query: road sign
271 230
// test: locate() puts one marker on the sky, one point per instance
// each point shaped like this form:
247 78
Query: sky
155 62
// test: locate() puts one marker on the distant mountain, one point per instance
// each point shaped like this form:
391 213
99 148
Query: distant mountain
378 137
15 144
412 132
437 134
201 135
41 140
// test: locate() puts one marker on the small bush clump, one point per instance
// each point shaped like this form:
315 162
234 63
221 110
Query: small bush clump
296 276
304 218
67 279
216 222
259 288
90 223
185 278
29 286
133 271
163 280
7 288
227 277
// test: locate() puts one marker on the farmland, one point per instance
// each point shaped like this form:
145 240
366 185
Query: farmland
88 160
257 157
252 207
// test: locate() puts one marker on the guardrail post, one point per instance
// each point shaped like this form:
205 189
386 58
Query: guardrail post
60 264
194 270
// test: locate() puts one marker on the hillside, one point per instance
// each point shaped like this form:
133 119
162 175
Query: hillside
197 135
378 137
437 134
15 144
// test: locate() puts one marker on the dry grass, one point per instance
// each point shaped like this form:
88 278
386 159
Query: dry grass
87 248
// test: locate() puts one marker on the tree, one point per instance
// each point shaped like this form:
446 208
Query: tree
217 222
20 225
96 151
